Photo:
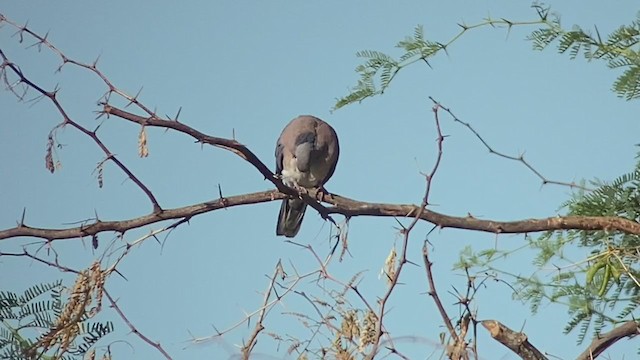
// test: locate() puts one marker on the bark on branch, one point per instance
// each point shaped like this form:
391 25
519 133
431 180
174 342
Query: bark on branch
515 341
601 343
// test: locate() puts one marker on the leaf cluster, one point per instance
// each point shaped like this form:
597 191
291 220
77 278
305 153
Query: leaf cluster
28 319
379 69
604 288
619 49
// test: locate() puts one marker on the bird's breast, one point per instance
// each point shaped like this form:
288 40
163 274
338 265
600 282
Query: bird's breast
318 171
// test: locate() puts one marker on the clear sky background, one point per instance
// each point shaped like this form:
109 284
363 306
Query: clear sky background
249 67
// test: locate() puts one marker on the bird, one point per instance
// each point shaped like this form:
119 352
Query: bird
306 157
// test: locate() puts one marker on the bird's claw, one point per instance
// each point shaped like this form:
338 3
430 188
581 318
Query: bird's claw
320 193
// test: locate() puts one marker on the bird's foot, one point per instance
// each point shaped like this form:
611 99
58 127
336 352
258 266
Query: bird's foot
321 192
302 190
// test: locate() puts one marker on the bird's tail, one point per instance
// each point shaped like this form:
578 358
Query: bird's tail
290 217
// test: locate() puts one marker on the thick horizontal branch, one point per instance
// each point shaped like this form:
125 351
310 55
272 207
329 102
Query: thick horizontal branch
602 342
341 205
515 341
350 207
121 226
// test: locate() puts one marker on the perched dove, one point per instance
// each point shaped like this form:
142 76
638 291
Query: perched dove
306 157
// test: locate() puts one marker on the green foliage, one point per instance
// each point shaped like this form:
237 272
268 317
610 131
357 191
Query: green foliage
28 321
470 259
620 50
611 273
601 290
379 69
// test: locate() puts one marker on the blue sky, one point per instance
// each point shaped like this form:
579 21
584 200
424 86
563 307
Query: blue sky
247 68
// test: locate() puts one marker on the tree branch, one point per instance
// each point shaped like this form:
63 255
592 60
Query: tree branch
342 205
394 276
349 207
601 343
134 329
227 144
122 226
436 298
516 341
520 158
51 95
253 338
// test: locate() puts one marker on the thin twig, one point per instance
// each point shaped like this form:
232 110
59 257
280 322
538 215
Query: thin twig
55 264
519 158
133 328
253 338
51 95
248 316
405 235
434 294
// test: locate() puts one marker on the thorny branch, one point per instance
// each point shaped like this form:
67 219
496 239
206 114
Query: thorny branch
265 307
469 315
324 321
436 298
259 326
227 144
349 286
515 341
458 350
341 205
133 328
42 41
519 158
394 274
347 207
231 145
51 95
